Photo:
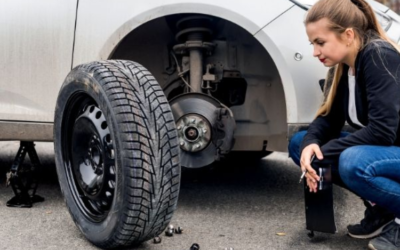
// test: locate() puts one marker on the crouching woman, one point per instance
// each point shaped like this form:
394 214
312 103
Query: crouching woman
365 92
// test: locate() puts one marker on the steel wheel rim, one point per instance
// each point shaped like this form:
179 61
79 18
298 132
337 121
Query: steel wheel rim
89 157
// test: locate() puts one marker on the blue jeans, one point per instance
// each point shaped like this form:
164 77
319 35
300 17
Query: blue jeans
371 172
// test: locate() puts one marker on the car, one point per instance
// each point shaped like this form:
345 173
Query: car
130 91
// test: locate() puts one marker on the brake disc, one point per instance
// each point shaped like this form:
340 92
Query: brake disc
200 128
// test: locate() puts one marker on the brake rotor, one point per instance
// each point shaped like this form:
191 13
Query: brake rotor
197 118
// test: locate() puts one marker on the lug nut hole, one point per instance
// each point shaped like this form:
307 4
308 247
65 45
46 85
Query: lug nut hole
104 125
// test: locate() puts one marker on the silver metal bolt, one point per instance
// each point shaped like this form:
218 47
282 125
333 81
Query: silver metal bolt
182 143
157 240
180 127
178 230
197 146
169 233
195 246
204 131
193 120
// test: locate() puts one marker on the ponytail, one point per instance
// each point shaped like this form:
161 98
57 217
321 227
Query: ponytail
327 104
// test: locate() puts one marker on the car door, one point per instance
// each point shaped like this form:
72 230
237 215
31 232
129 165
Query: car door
36 43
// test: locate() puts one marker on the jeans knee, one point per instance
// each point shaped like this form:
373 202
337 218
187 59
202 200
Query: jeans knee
295 142
294 146
349 167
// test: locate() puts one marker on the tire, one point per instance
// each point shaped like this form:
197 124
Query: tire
117 155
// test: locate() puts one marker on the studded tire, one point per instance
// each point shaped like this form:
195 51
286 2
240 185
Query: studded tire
117 154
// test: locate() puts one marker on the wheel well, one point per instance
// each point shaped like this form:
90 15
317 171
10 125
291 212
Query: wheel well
262 116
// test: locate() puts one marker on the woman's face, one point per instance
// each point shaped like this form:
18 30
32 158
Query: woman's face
328 47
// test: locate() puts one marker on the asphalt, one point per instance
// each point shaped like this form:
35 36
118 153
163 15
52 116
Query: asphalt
240 204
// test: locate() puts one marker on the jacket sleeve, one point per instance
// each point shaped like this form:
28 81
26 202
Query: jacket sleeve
380 66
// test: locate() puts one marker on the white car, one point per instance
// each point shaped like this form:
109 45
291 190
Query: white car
229 76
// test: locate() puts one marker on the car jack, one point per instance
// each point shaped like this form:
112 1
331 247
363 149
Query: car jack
24 181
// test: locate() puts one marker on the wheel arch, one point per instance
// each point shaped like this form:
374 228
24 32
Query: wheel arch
248 24
114 40
283 68
288 99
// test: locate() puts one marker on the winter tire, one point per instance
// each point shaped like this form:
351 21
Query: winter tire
117 153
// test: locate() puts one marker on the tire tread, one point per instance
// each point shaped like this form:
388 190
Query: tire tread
150 144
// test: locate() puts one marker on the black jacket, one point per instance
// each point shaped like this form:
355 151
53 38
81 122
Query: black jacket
377 97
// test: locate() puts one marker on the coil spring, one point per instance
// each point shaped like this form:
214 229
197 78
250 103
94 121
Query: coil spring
194 28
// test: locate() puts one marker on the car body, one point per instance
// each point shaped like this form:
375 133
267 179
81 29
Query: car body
41 41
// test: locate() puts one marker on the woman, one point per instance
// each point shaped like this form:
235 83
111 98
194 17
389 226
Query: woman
365 92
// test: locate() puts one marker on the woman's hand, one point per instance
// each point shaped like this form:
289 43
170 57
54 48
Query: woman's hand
305 162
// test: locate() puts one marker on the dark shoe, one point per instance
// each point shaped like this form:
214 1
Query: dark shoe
388 240
371 226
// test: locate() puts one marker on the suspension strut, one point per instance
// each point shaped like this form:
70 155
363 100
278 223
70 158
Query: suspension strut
194 30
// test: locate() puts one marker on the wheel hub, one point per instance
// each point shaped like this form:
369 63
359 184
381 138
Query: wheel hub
194 132
205 129
91 170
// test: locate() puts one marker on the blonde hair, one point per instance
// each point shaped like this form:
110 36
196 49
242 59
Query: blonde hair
343 14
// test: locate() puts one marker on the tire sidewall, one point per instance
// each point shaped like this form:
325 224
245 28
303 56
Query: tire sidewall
79 80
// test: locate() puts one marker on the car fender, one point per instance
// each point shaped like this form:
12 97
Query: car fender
99 30
300 71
